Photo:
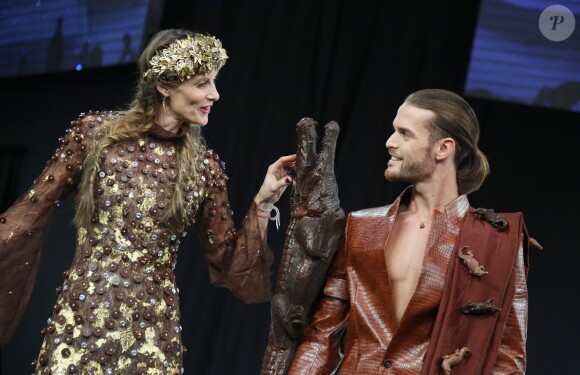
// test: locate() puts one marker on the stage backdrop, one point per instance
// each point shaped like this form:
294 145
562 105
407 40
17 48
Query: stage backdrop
349 61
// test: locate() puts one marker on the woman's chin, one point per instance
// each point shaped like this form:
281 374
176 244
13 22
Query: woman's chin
200 121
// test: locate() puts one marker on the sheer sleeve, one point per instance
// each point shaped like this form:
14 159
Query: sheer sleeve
320 351
24 225
239 260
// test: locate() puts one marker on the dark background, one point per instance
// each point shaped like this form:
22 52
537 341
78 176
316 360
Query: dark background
349 61
39 36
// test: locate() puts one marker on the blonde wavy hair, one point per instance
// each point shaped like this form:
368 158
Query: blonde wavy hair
133 123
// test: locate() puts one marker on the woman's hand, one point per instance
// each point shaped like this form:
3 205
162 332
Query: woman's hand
276 181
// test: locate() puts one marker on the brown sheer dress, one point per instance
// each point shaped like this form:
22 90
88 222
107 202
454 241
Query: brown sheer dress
117 311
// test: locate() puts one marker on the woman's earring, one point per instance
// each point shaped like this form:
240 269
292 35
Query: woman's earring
163 103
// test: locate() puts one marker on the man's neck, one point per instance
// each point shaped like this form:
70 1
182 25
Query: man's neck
428 198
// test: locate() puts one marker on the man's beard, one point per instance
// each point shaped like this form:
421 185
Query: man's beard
412 171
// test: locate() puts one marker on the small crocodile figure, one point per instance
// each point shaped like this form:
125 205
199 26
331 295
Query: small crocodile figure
450 360
480 308
472 264
489 215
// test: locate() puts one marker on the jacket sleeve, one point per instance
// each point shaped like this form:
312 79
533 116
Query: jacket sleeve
24 225
511 358
239 260
321 349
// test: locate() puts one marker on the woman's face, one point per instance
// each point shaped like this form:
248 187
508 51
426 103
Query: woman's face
191 101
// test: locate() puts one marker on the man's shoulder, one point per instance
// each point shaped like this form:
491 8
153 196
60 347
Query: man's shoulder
367 225
371 213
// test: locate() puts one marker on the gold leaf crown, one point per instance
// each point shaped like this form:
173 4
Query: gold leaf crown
185 58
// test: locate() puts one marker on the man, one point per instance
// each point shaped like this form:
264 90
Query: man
426 283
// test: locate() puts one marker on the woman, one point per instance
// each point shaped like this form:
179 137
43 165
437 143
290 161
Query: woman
143 176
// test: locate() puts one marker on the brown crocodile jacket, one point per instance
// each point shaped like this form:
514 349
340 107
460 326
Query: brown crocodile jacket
354 329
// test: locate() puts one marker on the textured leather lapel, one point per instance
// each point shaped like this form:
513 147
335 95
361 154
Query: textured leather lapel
416 324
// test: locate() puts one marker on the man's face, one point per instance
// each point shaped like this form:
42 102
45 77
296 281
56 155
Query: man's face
411 154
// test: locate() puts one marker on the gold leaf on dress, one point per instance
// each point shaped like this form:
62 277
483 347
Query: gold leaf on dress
127 340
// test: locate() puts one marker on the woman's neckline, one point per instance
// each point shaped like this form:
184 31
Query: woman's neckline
159 132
